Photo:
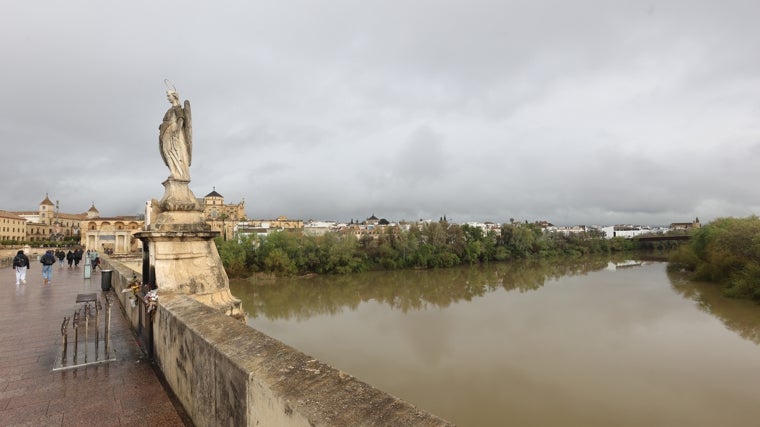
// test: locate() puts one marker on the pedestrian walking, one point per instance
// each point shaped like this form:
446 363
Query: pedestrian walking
20 265
77 257
61 255
47 261
70 257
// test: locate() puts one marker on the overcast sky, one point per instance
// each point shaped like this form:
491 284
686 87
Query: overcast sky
575 112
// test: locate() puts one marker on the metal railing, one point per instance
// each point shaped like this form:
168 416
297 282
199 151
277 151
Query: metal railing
86 346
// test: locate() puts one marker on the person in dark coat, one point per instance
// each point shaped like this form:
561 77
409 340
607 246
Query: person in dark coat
20 265
70 257
47 261
77 257
61 255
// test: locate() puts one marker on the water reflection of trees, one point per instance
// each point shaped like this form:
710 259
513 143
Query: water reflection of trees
403 290
739 316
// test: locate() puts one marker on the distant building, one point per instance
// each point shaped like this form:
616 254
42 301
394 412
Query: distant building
319 228
222 217
47 223
372 220
567 230
114 234
262 227
626 231
12 227
111 234
487 226
686 225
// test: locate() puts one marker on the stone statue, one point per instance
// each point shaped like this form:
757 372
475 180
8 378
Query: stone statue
181 255
175 140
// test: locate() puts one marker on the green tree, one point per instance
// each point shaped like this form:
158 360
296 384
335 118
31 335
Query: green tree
237 256
725 251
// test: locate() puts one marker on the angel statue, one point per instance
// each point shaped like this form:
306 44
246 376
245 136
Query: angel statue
175 139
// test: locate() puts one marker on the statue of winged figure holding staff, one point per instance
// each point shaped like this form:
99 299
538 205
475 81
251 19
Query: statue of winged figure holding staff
175 140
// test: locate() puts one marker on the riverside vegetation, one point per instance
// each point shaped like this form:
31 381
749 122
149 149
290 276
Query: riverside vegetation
430 245
727 252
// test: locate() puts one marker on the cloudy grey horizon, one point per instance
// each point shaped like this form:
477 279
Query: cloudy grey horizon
575 112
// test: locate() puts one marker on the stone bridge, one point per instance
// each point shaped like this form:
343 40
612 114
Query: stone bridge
227 373
663 238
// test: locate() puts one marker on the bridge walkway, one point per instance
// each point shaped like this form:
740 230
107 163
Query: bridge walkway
124 392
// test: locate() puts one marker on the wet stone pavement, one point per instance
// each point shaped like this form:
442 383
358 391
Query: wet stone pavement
124 392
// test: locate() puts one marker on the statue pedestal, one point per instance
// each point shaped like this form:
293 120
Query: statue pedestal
183 259
178 196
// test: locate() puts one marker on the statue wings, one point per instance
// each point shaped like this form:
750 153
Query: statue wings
189 132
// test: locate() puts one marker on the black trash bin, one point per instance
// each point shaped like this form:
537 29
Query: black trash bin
105 280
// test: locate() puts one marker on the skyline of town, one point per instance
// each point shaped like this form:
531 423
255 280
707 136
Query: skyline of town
93 205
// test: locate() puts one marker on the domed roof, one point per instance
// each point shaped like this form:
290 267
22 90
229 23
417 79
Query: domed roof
47 201
213 193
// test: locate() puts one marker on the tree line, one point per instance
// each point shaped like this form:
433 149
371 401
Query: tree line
430 245
727 252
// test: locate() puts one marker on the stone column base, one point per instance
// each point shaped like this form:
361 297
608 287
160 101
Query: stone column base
187 262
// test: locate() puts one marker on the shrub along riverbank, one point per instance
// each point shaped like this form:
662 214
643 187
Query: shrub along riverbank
431 245
727 252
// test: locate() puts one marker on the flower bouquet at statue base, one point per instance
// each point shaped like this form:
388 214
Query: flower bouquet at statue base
134 287
151 301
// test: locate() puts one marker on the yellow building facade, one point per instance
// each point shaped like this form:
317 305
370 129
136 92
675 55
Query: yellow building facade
12 227
114 235
222 217
47 223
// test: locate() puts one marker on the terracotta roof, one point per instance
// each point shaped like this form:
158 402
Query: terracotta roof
11 215
214 194
47 201
113 218
80 216
25 213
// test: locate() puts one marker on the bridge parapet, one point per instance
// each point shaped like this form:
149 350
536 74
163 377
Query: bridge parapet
227 373
663 238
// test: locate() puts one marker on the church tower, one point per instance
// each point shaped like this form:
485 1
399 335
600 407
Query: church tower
93 212
213 205
46 211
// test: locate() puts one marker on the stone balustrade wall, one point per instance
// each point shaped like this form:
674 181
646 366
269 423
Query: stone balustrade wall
227 373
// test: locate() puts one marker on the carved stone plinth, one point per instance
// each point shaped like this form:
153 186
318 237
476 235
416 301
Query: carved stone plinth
180 222
178 196
185 260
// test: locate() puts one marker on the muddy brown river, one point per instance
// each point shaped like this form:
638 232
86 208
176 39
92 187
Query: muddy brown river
592 342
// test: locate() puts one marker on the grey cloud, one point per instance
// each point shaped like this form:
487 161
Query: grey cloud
576 112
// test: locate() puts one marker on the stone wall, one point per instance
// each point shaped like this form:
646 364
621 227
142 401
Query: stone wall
227 373
120 279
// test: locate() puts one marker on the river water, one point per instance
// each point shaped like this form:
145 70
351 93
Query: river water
591 342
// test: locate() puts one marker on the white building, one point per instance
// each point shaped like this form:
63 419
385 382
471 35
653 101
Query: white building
319 228
626 231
